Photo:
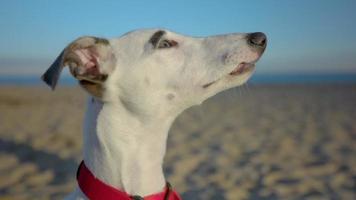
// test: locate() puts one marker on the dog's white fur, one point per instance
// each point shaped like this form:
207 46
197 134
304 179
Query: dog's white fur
126 127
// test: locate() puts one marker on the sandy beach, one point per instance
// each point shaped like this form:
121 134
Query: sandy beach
257 142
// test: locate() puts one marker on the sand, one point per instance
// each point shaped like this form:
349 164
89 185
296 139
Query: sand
260 142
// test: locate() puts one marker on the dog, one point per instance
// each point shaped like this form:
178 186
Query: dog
137 85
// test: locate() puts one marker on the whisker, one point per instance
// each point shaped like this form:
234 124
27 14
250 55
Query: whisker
240 91
251 88
234 93
248 89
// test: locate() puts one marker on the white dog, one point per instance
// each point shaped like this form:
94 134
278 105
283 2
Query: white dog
138 84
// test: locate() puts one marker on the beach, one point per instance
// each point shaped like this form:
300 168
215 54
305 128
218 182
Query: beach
253 142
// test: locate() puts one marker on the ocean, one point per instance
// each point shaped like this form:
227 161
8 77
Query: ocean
256 79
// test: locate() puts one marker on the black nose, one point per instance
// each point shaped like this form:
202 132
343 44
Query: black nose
257 39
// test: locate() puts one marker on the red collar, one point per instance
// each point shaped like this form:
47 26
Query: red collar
95 189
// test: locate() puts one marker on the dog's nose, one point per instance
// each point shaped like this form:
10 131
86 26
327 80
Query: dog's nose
257 39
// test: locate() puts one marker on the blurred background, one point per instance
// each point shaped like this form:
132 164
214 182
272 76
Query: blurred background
289 133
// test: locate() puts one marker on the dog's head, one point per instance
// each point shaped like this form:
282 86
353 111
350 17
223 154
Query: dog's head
158 68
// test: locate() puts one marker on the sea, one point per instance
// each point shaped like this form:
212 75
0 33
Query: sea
256 79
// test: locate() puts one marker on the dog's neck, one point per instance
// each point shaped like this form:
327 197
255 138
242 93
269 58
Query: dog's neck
124 151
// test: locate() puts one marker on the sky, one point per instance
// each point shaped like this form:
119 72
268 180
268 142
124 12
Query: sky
304 36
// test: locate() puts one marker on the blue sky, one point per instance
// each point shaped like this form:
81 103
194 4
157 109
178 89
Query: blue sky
305 36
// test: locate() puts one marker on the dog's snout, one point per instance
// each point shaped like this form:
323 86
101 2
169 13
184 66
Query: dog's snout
257 39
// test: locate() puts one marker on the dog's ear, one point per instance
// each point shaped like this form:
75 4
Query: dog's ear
90 60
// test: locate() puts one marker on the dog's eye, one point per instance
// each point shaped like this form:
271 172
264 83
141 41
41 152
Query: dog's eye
166 44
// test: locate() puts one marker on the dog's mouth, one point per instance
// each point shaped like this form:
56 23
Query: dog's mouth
241 68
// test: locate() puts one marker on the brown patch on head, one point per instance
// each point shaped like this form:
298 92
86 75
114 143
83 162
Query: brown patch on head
156 37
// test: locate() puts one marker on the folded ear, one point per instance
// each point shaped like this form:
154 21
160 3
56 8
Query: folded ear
90 60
